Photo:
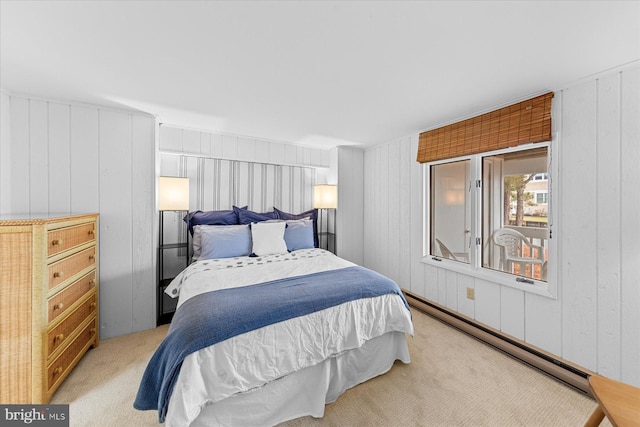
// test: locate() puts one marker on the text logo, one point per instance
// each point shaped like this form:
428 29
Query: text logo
34 415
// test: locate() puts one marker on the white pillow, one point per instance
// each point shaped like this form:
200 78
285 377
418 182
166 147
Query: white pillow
268 238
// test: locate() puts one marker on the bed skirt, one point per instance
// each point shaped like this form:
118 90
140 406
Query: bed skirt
302 393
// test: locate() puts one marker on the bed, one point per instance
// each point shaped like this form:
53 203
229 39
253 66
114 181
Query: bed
272 335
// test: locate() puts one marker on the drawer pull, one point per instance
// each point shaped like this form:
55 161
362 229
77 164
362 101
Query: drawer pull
56 242
92 257
57 274
58 337
58 306
57 371
92 282
92 305
92 331
91 232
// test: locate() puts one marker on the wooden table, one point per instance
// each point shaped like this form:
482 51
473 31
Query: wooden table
619 401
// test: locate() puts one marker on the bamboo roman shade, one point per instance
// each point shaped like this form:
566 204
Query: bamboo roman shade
521 123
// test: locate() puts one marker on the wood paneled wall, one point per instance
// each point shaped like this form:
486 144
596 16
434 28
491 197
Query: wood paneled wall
227 170
595 319
65 158
232 147
216 184
350 213
5 153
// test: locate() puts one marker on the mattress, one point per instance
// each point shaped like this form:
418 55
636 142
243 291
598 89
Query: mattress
318 354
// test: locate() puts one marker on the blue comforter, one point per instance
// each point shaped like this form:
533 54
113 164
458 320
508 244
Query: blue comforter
215 316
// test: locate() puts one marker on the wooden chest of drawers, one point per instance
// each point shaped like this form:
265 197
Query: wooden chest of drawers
48 302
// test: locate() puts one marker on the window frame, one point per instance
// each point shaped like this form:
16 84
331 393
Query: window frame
474 268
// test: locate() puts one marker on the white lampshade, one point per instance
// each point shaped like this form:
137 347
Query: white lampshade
173 193
325 196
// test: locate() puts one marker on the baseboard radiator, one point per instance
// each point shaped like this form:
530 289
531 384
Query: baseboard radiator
568 373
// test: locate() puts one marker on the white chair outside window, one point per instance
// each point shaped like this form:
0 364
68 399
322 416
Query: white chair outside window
446 253
512 251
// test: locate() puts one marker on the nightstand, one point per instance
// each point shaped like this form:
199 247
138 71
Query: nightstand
166 306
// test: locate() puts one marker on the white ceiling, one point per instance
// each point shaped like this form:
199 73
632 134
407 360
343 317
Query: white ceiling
317 73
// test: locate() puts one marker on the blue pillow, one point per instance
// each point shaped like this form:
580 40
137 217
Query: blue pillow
224 217
310 214
299 234
225 241
246 216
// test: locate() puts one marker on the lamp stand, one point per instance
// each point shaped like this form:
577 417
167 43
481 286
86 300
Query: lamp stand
162 314
326 233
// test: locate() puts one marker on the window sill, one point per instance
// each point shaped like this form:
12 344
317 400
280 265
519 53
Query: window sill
538 287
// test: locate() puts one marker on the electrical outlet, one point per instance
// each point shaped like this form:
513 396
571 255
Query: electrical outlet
471 293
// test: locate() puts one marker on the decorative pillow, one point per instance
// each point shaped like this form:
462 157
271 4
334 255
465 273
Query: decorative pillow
312 214
246 216
299 234
224 217
268 238
225 241
198 231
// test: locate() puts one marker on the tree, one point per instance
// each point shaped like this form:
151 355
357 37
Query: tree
514 185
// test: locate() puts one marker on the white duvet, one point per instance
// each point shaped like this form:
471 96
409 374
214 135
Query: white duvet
253 359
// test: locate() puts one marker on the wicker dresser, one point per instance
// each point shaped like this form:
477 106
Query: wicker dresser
48 302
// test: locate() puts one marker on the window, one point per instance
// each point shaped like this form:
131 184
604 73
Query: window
542 198
490 212
487 195
450 213
514 225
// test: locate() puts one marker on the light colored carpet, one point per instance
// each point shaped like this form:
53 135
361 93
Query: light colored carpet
453 380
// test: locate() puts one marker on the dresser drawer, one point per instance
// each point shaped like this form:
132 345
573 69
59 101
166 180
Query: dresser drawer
47 323
64 269
59 368
65 238
59 335
60 302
